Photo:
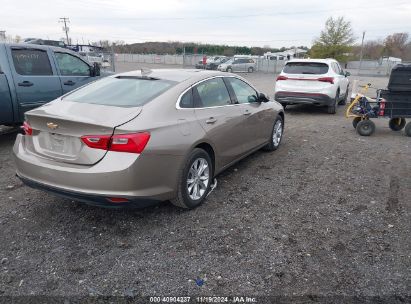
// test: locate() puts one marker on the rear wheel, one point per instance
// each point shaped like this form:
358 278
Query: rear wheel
355 122
408 129
276 135
195 180
332 109
365 127
396 124
250 69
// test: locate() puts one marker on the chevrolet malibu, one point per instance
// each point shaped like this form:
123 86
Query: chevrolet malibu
145 136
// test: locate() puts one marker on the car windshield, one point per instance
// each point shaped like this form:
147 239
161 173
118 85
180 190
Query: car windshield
121 91
306 68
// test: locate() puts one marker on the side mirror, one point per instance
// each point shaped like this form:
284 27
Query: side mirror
95 70
262 97
347 74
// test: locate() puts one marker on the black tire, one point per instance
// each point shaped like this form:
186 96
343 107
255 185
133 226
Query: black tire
183 198
229 70
407 129
397 124
250 69
272 144
365 127
355 122
343 102
332 109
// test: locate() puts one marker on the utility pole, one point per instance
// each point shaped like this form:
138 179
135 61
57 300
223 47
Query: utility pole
362 47
2 36
65 20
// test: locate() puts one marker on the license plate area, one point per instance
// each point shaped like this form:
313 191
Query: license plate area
54 144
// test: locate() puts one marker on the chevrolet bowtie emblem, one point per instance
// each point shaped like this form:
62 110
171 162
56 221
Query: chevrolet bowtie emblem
52 125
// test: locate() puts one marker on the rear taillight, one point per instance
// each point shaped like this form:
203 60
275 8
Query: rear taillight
117 200
282 78
97 141
131 143
27 128
326 79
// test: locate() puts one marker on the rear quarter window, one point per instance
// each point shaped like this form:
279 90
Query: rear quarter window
306 68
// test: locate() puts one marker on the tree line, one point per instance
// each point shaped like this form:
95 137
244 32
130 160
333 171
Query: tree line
175 47
336 40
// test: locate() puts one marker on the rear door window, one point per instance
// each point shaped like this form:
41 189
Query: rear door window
306 68
211 93
31 62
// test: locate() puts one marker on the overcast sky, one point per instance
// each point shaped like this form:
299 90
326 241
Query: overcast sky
238 22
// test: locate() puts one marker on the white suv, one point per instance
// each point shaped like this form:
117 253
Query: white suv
312 81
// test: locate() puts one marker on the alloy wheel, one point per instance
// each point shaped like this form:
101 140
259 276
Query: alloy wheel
198 178
278 133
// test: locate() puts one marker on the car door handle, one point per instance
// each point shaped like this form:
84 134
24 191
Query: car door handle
211 120
246 112
25 84
69 82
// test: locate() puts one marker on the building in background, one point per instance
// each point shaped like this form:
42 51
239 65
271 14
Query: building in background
286 55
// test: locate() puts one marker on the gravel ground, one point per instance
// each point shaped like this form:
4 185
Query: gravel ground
328 214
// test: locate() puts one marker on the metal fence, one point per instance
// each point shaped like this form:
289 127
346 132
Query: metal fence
365 68
190 60
370 67
182 60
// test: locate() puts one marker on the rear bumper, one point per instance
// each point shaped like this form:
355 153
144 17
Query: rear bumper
138 178
92 199
303 98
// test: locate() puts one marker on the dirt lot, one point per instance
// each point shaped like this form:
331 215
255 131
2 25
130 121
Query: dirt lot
327 214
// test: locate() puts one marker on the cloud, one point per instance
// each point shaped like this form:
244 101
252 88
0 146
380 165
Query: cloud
252 23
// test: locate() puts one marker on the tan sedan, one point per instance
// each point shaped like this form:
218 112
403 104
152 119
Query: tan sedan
145 136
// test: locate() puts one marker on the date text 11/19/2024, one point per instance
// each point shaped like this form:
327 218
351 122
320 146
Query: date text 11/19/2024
205 299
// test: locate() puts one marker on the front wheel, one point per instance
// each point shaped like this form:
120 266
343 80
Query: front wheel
276 135
408 129
365 127
229 70
396 124
344 101
250 69
195 180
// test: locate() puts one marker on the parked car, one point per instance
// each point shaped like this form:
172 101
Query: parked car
200 65
238 65
141 137
213 65
312 81
31 75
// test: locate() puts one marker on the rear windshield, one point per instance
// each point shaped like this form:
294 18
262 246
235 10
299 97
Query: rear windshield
121 91
305 68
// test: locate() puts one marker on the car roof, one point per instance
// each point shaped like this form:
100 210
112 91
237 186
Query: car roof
178 75
40 47
327 60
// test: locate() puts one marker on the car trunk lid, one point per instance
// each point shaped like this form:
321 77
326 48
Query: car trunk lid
59 126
